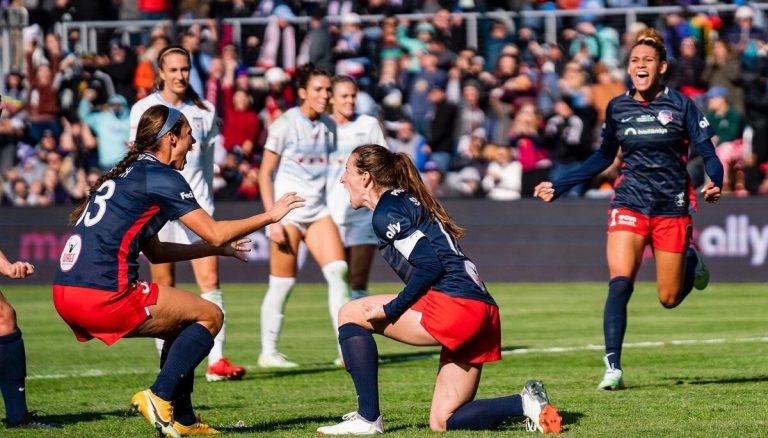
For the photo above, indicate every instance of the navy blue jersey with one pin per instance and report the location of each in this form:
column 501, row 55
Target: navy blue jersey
column 121, row 217
column 401, row 225
column 654, row 137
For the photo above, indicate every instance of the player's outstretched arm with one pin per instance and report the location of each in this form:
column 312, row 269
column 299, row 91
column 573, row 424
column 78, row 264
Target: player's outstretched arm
column 15, row 270
column 169, row 252
column 544, row 190
column 219, row 233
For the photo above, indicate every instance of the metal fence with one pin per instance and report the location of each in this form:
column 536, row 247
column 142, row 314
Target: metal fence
column 550, row 23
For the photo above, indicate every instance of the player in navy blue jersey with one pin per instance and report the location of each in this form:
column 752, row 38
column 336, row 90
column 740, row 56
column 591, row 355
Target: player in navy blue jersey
column 97, row 289
column 444, row 302
column 654, row 126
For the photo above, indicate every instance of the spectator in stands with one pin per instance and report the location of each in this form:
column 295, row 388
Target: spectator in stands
column 606, row 87
column 242, row 125
column 746, row 37
column 317, row 45
column 471, row 113
column 418, row 85
column 425, row 31
column 724, row 70
column 504, row 175
column 526, row 140
column 567, row 138
column 200, row 61
column 442, row 132
column 42, row 103
column 499, row 35
column 122, row 68
column 279, row 34
column 685, row 74
column 12, row 117
column 411, row 143
column 450, row 29
column 348, row 50
column 111, row 125
column 728, row 126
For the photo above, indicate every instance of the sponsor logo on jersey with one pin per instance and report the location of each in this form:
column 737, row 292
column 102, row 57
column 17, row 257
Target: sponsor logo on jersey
column 703, row 123
column 70, row 253
column 392, row 230
column 187, row 195
column 646, row 131
column 626, row 119
column 680, row 199
column 630, row 131
column 625, row 219
column 646, row 118
column 665, row 116
column 397, row 192
column 415, row 201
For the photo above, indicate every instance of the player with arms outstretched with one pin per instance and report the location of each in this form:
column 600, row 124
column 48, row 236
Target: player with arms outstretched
column 654, row 126
column 444, row 303
column 97, row 289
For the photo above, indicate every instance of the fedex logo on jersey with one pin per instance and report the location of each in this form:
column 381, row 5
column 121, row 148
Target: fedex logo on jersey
column 392, row 230
column 187, row 195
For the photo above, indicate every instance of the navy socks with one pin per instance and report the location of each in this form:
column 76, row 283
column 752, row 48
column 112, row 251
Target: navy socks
column 191, row 346
column 361, row 359
column 615, row 318
column 486, row 414
column 13, row 371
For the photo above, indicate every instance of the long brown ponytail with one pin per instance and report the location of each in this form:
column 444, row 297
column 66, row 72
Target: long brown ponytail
column 150, row 124
column 190, row 93
column 396, row 170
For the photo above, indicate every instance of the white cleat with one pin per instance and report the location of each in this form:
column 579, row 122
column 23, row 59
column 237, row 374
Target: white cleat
column 613, row 379
column 541, row 415
column 354, row 424
column 275, row 360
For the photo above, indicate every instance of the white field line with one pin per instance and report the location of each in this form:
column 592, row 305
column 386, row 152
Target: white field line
column 589, row 347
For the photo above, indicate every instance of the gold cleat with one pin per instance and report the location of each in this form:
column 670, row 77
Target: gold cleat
column 157, row 411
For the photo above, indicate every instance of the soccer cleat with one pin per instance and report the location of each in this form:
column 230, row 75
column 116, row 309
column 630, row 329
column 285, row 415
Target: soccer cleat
column 354, row 424
column 541, row 415
column 275, row 360
column 224, row 370
column 701, row 273
column 613, row 379
column 157, row 411
column 198, row 428
column 32, row 420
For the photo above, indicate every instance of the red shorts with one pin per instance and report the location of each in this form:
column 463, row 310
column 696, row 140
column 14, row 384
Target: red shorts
column 105, row 315
column 671, row 234
column 468, row 330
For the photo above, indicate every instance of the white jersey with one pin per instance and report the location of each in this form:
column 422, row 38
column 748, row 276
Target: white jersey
column 304, row 147
column 362, row 130
column 205, row 129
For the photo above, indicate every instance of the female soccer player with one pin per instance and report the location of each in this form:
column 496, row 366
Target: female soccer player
column 354, row 226
column 296, row 153
column 654, row 197
column 174, row 90
column 97, row 290
column 444, row 302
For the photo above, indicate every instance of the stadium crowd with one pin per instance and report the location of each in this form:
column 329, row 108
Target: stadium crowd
column 487, row 121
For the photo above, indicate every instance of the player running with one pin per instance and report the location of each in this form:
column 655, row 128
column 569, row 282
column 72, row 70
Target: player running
column 444, row 303
column 173, row 90
column 354, row 226
column 654, row 198
column 97, row 289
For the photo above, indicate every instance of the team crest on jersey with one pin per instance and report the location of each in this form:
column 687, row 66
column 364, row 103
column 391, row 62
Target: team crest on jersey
column 680, row 199
column 665, row 116
column 70, row 253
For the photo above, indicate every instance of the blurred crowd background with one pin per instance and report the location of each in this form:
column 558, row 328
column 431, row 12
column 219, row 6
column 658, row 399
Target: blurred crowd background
column 488, row 97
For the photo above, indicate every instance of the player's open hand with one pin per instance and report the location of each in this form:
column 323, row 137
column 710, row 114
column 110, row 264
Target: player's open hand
column 711, row 192
column 17, row 270
column 286, row 203
column 373, row 311
column 237, row 249
column 544, row 190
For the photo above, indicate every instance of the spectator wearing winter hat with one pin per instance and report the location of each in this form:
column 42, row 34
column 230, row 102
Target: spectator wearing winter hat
column 746, row 37
column 111, row 125
column 728, row 126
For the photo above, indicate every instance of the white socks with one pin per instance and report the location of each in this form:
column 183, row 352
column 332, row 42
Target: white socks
column 335, row 274
column 217, row 352
column 272, row 311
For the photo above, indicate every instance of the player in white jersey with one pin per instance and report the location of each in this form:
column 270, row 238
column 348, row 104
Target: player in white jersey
column 173, row 90
column 297, row 151
column 352, row 130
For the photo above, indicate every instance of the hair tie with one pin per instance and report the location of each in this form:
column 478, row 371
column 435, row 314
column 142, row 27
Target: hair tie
column 173, row 117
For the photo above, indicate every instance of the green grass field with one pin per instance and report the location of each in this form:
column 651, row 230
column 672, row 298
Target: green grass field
column 715, row 385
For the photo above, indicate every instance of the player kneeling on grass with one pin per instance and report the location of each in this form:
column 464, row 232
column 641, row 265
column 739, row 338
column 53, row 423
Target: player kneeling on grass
column 97, row 289
column 444, row 302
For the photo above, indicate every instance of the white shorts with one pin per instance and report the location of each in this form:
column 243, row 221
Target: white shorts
column 176, row 232
column 357, row 234
column 299, row 225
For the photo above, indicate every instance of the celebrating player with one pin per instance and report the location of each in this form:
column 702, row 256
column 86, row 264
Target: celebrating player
column 173, row 90
column 97, row 290
column 296, row 152
column 444, row 302
column 654, row 199
column 354, row 226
